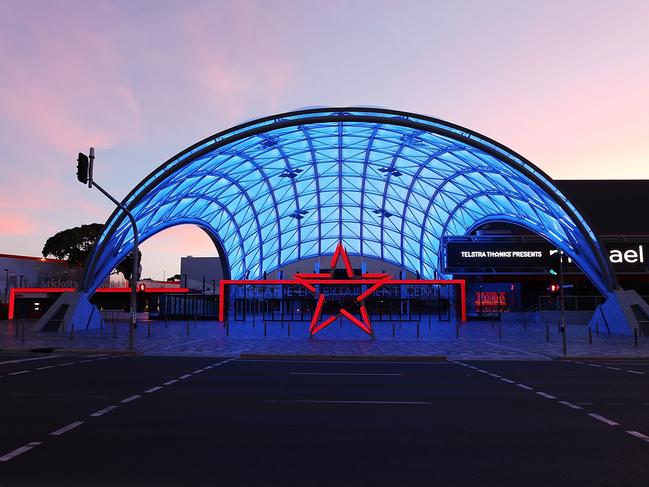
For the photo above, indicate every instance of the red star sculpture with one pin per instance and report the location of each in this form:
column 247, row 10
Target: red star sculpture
column 374, row 281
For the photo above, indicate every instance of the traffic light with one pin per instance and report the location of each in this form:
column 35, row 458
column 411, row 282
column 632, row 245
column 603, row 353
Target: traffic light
column 82, row 168
column 554, row 288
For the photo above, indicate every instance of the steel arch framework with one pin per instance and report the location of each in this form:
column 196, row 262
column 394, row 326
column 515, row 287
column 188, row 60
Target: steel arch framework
column 389, row 184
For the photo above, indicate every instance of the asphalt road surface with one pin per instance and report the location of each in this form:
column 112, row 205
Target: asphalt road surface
column 102, row 420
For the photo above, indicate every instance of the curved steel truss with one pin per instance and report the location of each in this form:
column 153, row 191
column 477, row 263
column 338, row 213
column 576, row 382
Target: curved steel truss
column 388, row 184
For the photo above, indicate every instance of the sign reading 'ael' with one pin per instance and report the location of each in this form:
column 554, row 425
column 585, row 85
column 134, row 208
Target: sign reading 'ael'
column 627, row 256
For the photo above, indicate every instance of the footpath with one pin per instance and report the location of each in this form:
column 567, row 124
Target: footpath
column 472, row 340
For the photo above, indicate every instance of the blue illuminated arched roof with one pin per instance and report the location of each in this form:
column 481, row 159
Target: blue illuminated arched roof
column 388, row 184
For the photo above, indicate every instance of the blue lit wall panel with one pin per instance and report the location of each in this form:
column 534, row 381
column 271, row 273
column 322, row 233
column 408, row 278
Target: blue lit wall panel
column 390, row 185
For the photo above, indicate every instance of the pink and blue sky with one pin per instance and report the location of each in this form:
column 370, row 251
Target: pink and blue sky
column 565, row 83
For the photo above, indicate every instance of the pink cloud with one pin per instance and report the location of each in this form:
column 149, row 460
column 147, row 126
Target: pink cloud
column 15, row 225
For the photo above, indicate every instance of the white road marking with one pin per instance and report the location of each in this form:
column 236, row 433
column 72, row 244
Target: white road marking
column 603, row 419
column 317, row 401
column 46, row 367
column 637, row 434
column 169, row 382
column 131, row 398
column 67, row 428
column 635, row 372
column 67, row 363
column 570, row 405
column 17, row 361
column 595, row 365
column 186, row 376
column 496, row 376
column 103, row 411
column 18, row 451
column 19, row 372
column 547, row 396
column 614, row 368
column 342, row 374
column 198, row 371
column 507, row 380
column 523, row 386
column 84, row 361
column 153, row 389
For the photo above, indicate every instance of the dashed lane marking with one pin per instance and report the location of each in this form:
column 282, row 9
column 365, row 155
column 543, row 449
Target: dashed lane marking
column 130, row 398
column 507, row 380
column 635, row 372
column 609, row 422
column 67, row 428
column 17, row 361
column 637, row 434
column 169, row 382
column 570, row 405
column 198, row 371
column 153, row 389
column 186, row 376
column 18, row 451
column 19, row 372
column 318, row 401
column 546, row 395
column 101, row 412
column 523, row 386
column 614, row 368
column 84, row 361
column 67, row 363
column 46, row 367
column 343, row 374
column 595, row 365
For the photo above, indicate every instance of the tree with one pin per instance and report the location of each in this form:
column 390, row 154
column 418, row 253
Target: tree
column 75, row 244
column 174, row 278
column 126, row 266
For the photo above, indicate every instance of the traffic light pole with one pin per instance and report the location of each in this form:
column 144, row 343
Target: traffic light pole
column 85, row 175
column 562, row 301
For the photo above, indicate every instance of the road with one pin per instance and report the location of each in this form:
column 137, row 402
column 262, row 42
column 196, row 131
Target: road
column 145, row 420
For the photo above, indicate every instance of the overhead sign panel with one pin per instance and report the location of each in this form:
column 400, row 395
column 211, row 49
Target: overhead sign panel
column 500, row 255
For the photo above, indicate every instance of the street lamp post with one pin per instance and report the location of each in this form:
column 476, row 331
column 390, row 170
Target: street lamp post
column 85, row 175
column 6, row 284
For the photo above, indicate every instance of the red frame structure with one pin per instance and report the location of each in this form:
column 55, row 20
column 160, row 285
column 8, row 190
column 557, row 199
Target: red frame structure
column 44, row 290
column 309, row 281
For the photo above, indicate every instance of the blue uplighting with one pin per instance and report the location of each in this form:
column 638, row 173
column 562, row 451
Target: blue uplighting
column 389, row 185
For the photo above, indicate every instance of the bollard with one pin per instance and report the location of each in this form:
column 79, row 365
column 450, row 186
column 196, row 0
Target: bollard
column 457, row 329
column 417, row 330
column 547, row 332
column 635, row 336
column 393, row 330
column 148, row 329
column 563, row 339
column 265, row 328
column 590, row 335
column 227, row 328
column 187, row 327
column 71, row 332
column 114, row 330
column 500, row 331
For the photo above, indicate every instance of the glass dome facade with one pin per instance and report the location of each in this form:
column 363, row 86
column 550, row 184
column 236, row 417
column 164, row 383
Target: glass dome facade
column 389, row 185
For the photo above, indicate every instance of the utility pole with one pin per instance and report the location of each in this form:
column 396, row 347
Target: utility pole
column 85, row 175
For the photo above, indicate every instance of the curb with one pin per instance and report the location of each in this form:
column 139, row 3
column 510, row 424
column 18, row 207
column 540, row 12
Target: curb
column 367, row 358
column 612, row 358
column 69, row 350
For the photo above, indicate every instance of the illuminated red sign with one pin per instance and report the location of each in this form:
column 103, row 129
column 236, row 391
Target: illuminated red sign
column 367, row 284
